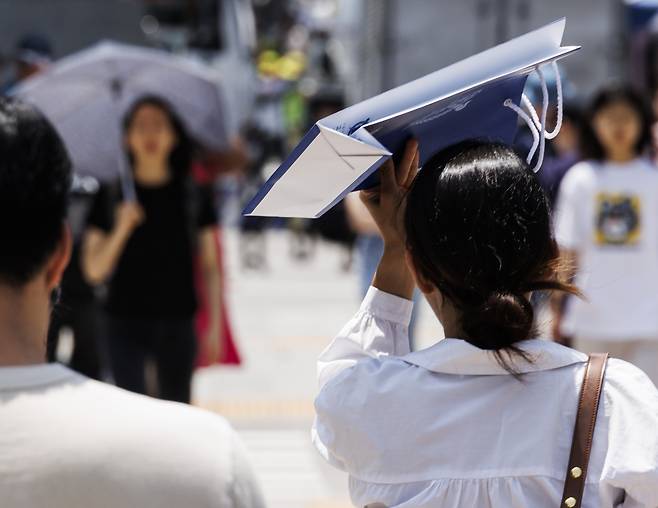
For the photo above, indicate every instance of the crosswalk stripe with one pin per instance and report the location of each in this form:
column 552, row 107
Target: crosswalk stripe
column 261, row 408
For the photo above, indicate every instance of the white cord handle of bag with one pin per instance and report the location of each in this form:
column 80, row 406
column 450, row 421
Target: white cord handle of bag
column 537, row 124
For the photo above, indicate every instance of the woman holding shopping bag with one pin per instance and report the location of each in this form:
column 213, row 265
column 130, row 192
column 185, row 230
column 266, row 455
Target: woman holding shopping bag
column 484, row 417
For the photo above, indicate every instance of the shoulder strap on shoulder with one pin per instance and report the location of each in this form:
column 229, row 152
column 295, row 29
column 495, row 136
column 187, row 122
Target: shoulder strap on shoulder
column 583, row 433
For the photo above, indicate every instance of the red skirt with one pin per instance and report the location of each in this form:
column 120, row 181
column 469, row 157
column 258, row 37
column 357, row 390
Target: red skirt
column 230, row 354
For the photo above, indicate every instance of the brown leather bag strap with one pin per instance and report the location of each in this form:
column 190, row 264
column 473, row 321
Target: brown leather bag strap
column 583, row 432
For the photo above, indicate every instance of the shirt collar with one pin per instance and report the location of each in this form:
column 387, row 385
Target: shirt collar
column 455, row 356
column 30, row 376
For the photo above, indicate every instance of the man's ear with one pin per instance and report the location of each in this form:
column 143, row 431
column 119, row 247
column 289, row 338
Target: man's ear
column 422, row 282
column 59, row 259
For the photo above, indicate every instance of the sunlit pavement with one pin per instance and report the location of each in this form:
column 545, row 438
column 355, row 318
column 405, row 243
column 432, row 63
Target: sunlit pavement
column 283, row 317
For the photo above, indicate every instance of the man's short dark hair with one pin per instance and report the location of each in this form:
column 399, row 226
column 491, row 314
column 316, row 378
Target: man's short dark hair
column 35, row 178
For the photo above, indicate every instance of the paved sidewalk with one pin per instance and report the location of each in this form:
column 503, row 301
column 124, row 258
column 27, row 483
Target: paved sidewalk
column 283, row 318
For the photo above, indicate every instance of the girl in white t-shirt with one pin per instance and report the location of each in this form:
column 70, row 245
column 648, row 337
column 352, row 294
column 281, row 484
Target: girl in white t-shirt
column 607, row 225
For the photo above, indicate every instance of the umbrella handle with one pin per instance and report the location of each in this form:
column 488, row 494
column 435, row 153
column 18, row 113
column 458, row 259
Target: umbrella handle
column 125, row 172
column 126, row 177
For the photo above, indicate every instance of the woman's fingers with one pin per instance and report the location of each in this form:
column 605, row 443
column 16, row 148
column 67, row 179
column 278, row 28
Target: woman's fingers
column 388, row 180
column 407, row 161
column 392, row 178
column 369, row 196
column 413, row 171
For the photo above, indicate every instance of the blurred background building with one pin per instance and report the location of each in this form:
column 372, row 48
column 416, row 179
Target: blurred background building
column 342, row 39
column 405, row 33
column 414, row 37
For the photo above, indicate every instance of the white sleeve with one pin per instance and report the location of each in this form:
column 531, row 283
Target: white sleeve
column 632, row 456
column 380, row 328
column 568, row 211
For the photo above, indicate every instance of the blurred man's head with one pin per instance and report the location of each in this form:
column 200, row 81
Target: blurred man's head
column 33, row 53
column 35, row 175
column 568, row 140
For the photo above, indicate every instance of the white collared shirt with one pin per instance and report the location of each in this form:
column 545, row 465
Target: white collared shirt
column 448, row 426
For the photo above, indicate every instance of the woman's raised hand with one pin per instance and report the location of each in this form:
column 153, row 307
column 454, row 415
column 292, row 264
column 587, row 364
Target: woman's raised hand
column 386, row 202
column 128, row 216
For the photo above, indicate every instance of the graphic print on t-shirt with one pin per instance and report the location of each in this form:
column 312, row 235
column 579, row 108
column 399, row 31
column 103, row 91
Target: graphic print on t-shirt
column 617, row 219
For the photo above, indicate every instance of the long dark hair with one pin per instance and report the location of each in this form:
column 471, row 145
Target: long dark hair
column 186, row 149
column 478, row 227
column 591, row 147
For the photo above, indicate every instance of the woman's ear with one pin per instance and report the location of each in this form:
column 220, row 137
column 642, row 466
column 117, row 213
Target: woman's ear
column 59, row 259
column 422, row 282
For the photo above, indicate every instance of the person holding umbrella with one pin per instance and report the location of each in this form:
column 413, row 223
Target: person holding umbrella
column 147, row 256
column 104, row 100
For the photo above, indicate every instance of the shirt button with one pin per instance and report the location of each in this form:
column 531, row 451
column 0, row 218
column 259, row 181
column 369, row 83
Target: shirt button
column 570, row 502
column 576, row 472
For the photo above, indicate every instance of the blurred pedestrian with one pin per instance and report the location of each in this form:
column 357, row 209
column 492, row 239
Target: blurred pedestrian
column 607, row 225
column 561, row 152
column 147, row 256
column 205, row 173
column 32, row 55
column 266, row 135
column 369, row 244
column 484, row 417
column 334, row 225
column 67, row 441
column 564, row 152
column 79, row 306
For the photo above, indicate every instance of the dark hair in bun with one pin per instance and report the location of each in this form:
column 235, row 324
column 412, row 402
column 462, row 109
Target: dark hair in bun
column 478, row 226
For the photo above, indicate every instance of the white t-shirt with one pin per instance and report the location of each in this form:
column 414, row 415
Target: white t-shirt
column 70, row 442
column 608, row 214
